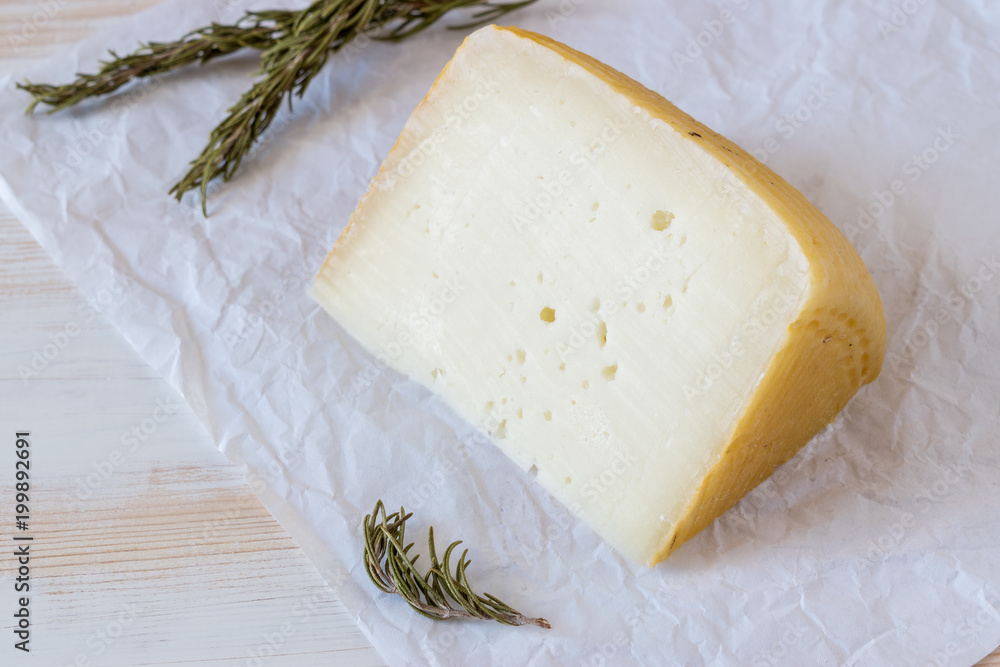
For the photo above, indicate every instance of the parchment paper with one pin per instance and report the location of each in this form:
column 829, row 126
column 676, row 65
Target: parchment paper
column 878, row 544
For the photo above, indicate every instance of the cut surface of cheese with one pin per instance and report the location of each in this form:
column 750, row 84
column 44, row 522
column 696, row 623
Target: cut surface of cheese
column 624, row 300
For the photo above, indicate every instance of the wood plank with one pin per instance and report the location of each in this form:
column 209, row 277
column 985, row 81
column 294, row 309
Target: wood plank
column 164, row 556
column 33, row 29
column 162, row 545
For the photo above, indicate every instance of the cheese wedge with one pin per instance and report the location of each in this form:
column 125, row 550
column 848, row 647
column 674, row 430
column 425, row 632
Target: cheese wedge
column 625, row 301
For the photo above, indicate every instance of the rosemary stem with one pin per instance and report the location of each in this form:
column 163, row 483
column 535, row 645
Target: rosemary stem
column 294, row 47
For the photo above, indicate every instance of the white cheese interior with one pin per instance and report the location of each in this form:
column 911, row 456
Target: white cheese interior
column 524, row 190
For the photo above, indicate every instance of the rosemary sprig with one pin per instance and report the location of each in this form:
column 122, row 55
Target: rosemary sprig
column 390, row 567
column 255, row 31
column 295, row 46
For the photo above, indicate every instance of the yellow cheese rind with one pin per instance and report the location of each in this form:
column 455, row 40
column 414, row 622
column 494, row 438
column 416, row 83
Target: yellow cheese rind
column 834, row 344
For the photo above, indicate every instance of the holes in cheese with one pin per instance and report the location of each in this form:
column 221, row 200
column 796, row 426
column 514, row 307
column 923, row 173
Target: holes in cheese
column 661, row 220
column 536, row 205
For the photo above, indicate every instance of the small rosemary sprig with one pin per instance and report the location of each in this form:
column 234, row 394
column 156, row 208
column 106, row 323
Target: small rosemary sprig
column 294, row 47
column 390, row 567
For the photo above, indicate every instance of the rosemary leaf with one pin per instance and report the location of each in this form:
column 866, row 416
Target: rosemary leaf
column 294, row 46
column 389, row 567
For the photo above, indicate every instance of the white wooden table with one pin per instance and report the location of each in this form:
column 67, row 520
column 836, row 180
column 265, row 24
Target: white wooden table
column 152, row 552
column 146, row 551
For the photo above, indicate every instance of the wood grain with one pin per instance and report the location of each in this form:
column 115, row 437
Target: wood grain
column 163, row 556
column 163, row 546
column 168, row 558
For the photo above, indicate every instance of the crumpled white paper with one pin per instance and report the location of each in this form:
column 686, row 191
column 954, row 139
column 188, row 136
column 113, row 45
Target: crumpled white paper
column 879, row 544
